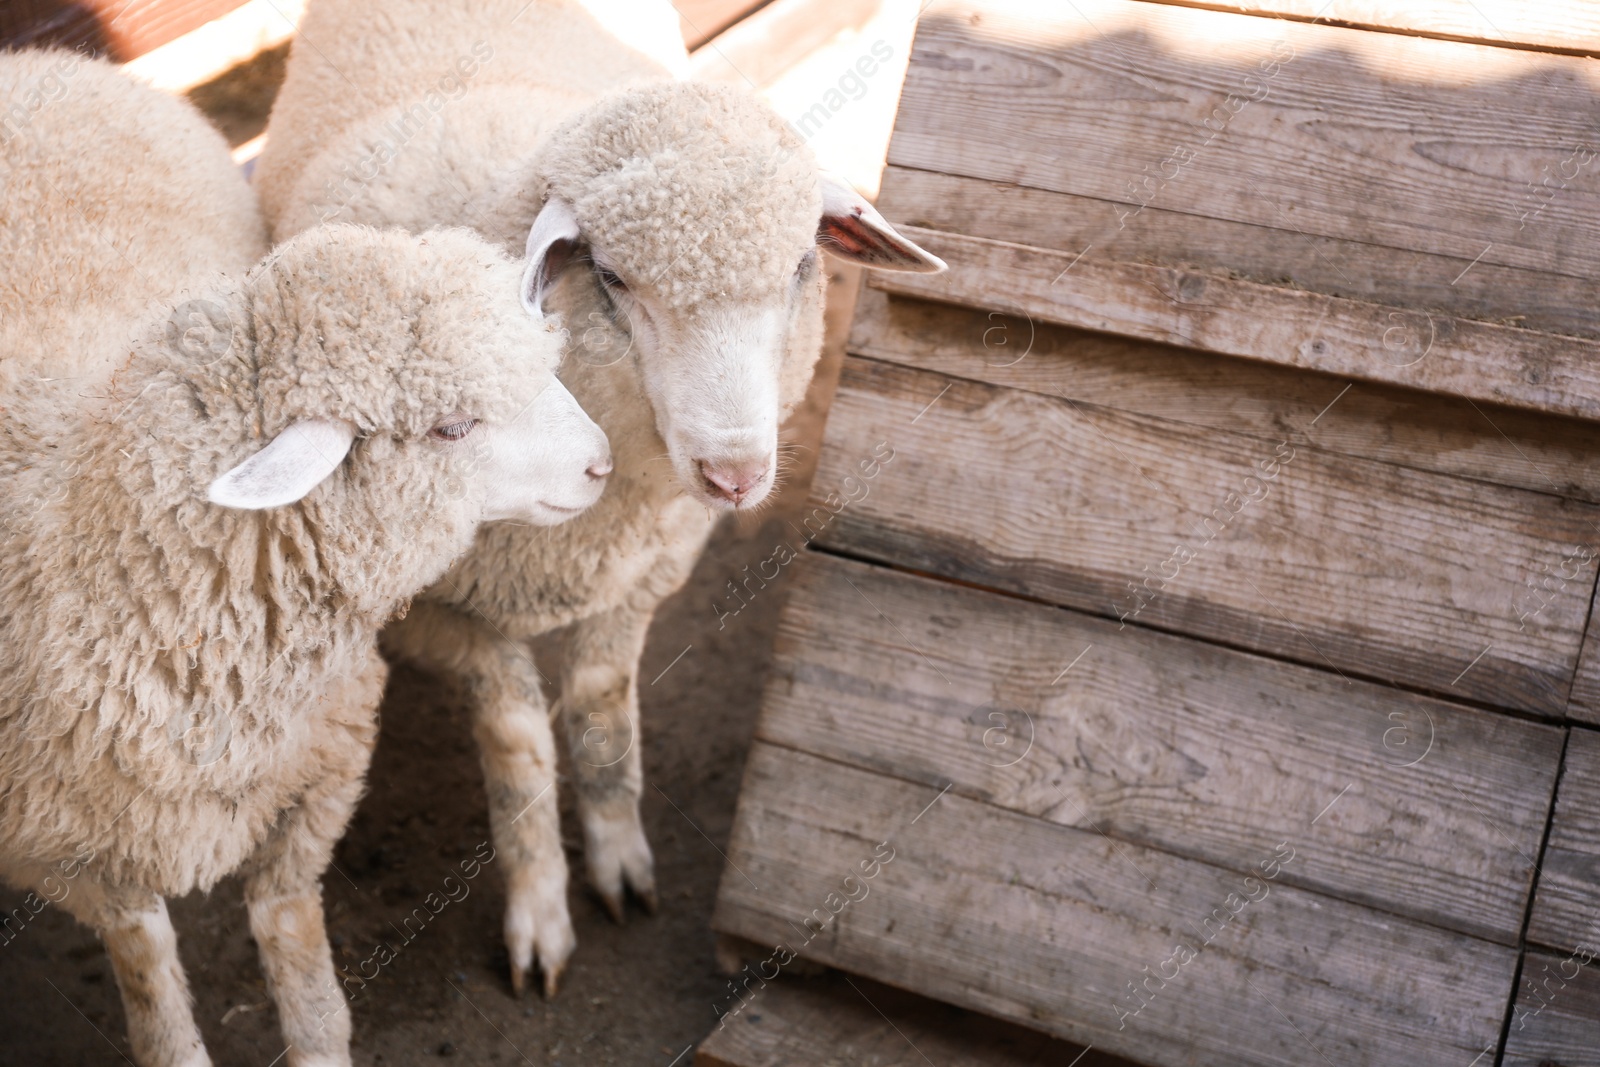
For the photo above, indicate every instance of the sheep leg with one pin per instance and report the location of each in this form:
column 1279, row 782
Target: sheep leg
column 600, row 715
column 512, row 726
column 283, row 879
column 138, row 935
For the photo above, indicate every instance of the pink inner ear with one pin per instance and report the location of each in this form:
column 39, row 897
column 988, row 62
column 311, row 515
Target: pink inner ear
column 851, row 236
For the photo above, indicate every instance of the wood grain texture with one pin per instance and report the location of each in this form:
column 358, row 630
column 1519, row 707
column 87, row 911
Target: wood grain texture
column 1268, row 255
column 1047, row 926
column 1584, row 704
column 760, row 47
column 704, row 19
column 1556, row 1021
column 1566, row 905
column 119, row 29
column 833, row 1021
column 1432, row 146
column 1568, row 25
column 1409, row 428
column 1422, row 808
column 1481, row 361
column 1345, row 564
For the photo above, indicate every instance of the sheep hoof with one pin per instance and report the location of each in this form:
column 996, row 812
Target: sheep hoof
column 648, row 899
column 614, row 905
column 552, row 978
column 619, row 860
column 538, row 933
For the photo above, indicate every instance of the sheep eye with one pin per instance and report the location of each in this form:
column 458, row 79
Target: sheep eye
column 807, row 261
column 609, row 279
column 454, row 430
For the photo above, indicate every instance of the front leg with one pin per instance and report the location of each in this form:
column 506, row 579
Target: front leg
column 283, row 879
column 143, row 948
column 599, row 709
column 512, row 726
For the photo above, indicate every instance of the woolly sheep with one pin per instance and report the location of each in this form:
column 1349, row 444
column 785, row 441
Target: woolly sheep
column 693, row 215
column 207, row 525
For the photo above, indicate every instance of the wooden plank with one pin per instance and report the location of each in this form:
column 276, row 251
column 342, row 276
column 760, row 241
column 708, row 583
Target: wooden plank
column 1346, row 564
column 1483, row 362
column 1432, row 146
column 1556, row 1021
column 759, row 48
column 1563, row 25
column 833, row 1020
column 118, row 29
column 1279, row 257
column 1413, row 429
column 1199, row 751
column 1584, row 704
column 704, row 19
column 1049, row 926
column 1565, row 913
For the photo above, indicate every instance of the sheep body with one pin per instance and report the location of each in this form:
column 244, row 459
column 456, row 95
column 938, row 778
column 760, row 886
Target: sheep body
column 192, row 689
column 710, row 207
column 72, row 270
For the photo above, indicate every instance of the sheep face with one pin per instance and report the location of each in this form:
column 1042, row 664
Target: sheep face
column 407, row 395
column 699, row 212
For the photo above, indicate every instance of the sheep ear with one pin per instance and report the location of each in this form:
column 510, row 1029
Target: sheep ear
column 852, row 229
column 550, row 244
column 293, row 464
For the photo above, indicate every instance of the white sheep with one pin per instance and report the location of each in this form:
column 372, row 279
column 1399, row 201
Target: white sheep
column 205, row 527
column 694, row 214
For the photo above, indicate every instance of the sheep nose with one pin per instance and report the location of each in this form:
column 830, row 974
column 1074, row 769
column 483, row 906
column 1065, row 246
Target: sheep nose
column 735, row 481
column 600, row 469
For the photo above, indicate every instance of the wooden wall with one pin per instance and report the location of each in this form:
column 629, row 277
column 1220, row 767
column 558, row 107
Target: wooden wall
column 1201, row 571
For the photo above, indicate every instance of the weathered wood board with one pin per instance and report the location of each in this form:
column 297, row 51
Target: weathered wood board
column 1556, row 1021
column 704, row 19
column 1221, row 251
column 1571, row 25
column 1302, row 589
column 1422, row 808
column 1349, row 565
column 1585, row 700
column 770, row 40
column 1394, row 148
column 1400, row 426
column 119, row 29
column 1481, row 361
column 1566, row 907
column 836, row 1021
column 1050, row 926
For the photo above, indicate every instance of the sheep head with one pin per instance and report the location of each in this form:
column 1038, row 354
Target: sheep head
column 700, row 212
column 389, row 391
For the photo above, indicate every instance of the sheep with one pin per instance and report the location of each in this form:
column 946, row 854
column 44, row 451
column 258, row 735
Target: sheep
column 691, row 216
column 207, row 525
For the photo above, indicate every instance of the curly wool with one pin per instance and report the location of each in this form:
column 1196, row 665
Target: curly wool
column 131, row 608
column 663, row 178
column 75, row 274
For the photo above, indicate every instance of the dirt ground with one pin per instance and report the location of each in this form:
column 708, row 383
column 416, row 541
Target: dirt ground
column 635, row 994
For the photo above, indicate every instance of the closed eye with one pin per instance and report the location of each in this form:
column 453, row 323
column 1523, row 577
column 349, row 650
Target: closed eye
column 808, row 261
column 452, row 430
column 610, row 280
